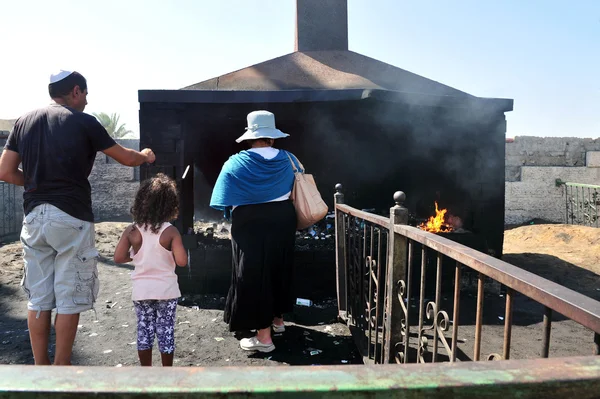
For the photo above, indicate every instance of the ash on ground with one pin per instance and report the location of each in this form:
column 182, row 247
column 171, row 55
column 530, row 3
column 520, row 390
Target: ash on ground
column 216, row 234
column 320, row 236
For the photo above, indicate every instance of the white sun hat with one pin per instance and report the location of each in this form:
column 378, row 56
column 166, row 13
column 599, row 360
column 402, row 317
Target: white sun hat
column 261, row 125
column 60, row 75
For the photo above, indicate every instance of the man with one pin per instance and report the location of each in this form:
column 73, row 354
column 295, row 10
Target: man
column 57, row 146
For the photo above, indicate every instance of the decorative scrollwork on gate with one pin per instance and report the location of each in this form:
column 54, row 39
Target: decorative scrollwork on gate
column 440, row 323
column 370, row 273
column 399, row 346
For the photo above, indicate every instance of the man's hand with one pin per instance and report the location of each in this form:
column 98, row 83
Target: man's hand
column 129, row 157
column 150, row 157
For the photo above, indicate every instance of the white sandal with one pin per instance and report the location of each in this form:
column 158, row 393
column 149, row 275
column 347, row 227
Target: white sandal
column 253, row 344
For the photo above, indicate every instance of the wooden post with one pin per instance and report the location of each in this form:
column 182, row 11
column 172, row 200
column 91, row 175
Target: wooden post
column 396, row 271
column 340, row 254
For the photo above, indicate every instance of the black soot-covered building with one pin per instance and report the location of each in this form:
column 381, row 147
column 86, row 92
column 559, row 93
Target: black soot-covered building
column 352, row 119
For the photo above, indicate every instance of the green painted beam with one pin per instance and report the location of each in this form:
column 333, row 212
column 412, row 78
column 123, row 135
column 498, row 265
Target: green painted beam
column 581, row 185
column 540, row 378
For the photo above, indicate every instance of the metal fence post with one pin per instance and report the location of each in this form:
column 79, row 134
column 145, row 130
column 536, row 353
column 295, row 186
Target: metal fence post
column 340, row 254
column 396, row 271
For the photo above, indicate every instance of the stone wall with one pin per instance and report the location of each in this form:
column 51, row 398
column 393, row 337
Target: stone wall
column 533, row 164
column 113, row 185
column 11, row 204
column 11, row 211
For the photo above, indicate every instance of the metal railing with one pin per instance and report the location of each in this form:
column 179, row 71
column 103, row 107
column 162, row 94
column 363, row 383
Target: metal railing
column 10, row 211
column 385, row 267
column 581, row 203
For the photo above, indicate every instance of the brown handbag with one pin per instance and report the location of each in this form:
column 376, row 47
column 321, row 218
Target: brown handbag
column 310, row 207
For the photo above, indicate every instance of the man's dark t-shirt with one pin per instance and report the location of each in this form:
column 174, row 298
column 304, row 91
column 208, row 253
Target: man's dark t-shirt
column 58, row 146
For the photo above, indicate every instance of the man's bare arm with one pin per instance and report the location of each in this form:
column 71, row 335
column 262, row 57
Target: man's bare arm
column 129, row 157
column 9, row 168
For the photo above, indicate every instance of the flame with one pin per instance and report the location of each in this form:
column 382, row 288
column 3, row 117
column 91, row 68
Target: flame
column 437, row 224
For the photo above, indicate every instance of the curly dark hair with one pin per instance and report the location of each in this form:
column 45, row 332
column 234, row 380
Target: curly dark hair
column 156, row 202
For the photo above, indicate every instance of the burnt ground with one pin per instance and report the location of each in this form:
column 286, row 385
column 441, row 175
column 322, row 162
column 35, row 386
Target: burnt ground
column 569, row 255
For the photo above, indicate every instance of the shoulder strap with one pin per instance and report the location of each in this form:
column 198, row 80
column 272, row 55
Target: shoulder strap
column 292, row 162
column 146, row 232
column 164, row 226
column 295, row 165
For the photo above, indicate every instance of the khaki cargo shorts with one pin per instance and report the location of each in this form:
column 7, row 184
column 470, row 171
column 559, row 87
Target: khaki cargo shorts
column 60, row 261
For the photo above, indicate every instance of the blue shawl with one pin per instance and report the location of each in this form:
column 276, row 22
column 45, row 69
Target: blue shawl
column 248, row 178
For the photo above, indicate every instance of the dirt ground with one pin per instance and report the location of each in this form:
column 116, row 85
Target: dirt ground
column 201, row 336
column 565, row 254
column 569, row 255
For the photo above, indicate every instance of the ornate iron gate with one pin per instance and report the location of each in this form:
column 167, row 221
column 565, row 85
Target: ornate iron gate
column 383, row 290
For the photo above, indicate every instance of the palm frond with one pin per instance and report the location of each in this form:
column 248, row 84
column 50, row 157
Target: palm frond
column 111, row 124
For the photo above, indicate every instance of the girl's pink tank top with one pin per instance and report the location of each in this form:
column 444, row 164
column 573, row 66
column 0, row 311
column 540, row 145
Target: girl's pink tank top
column 154, row 275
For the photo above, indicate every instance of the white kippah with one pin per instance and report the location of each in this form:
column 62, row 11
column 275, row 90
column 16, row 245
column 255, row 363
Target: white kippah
column 57, row 77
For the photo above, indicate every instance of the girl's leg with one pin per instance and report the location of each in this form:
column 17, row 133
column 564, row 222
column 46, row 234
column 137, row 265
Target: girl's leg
column 167, row 359
column 145, row 357
column 146, row 316
column 165, row 329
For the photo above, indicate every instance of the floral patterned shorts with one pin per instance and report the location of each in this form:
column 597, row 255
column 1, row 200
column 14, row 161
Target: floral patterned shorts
column 156, row 317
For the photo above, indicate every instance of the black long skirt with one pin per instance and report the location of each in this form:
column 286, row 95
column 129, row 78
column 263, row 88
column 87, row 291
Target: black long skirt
column 263, row 238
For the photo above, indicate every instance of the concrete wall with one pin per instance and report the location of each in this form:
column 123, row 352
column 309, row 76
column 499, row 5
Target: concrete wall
column 532, row 166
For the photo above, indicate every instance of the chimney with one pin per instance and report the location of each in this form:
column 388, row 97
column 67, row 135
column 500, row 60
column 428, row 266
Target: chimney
column 321, row 25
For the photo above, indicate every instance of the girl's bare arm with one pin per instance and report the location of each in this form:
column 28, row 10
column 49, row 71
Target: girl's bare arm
column 123, row 246
column 179, row 252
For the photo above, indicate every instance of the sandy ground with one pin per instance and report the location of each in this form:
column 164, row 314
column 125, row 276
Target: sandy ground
column 569, row 255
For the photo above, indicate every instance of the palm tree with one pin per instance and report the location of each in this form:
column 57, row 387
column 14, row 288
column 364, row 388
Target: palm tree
column 111, row 124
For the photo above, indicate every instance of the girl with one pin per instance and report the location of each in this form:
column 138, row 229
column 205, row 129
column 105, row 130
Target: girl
column 154, row 247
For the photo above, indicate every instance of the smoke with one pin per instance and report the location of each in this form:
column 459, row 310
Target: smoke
column 374, row 148
column 430, row 153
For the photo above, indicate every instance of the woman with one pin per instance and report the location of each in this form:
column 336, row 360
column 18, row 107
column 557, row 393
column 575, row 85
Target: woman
column 256, row 185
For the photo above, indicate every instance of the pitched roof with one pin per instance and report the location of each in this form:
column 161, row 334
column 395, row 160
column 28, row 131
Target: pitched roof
column 325, row 70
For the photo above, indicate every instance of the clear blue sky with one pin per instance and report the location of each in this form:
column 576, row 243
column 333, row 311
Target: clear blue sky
column 545, row 54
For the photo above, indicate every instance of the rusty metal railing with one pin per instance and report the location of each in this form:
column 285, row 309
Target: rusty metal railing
column 366, row 246
column 526, row 379
column 407, row 327
column 581, row 203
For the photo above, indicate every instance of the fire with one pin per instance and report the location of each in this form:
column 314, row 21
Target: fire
column 437, row 224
